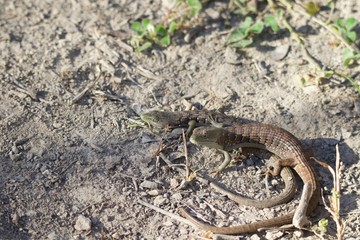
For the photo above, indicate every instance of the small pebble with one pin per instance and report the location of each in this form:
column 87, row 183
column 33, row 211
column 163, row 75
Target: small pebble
column 177, row 197
column 298, row 233
column 154, row 192
column 82, row 223
column 280, row 52
column 57, row 125
column 14, row 149
column 149, row 184
column 255, row 237
column 174, row 183
column 160, row 200
column 212, row 13
column 274, row 235
column 15, row 157
column 357, row 107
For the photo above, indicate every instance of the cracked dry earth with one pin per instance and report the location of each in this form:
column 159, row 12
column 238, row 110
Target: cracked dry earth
column 71, row 168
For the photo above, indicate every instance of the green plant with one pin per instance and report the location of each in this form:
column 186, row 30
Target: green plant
column 243, row 7
column 350, row 56
column 345, row 28
column 147, row 33
column 243, row 36
column 334, row 200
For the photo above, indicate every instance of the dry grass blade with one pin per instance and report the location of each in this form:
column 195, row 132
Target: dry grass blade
column 334, row 208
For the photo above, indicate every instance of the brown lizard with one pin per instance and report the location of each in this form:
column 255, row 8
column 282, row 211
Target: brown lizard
column 164, row 119
column 276, row 140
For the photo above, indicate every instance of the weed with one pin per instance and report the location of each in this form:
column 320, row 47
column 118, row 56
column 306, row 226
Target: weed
column 345, row 28
column 148, row 33
column 334, row 200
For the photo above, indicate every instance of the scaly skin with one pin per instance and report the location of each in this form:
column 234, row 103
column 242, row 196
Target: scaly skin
column 279, row 142
column 164, row 119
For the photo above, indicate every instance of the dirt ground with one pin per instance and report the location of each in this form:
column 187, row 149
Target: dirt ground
column 70, row 166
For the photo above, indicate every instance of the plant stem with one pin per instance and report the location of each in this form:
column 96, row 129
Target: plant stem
column 321, row 23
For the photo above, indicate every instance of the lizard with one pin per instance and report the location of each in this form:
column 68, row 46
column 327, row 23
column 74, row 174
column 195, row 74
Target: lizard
column 276, row 140
column 194, row 118
column 190, row 118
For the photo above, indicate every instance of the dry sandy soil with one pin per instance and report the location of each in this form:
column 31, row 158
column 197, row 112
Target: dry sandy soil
column 71, row 168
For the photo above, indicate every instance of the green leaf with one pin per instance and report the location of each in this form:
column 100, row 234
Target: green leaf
column 323, row 222
column 143, row 47
column 165, row 41
column 312, row 8
column 351, row 36
column 257, row 27
column 347, row 61
column 350, row 23
column 137, row 27
column 246, row 23
column 243, row 43
column 135, row 41
column 270, row 21
column 346, row 53
column 236, row 35
column 328, row 74
column 279, row 13
column 172, row 27
column 195, row 5
column 146, row 22
column 160, row 31
column 340, row 23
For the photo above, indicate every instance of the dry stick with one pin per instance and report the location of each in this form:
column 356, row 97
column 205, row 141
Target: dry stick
column 187, row 174
column 86, row 89
column 169, row 214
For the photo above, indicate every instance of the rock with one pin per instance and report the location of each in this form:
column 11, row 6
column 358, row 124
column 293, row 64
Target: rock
column 357, row 107
column 159, row 200
column 174, row 183
column 53, row 236
column 177, row 197
column 255, row 237
column 212, row 13
column 83, row 223
column 298, row 233
column 154, row 192
column 149, row 184
column 280, row 52
column 274, row 235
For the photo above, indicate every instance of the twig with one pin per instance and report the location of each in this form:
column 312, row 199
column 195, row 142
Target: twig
column 290, row 8
column 166, row 213
column 187, row 163
column 146, row 73
column 86, row 89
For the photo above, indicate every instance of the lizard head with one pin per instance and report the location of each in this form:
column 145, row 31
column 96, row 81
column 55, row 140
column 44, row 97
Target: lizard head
column 208, row 136
column 157, row 119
